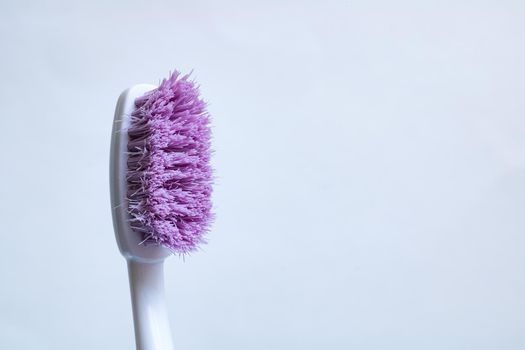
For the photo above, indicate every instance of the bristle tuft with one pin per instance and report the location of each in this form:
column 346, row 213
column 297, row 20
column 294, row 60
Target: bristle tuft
column 169, row 176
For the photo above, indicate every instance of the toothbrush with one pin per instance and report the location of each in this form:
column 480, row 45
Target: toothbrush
column 160, row 184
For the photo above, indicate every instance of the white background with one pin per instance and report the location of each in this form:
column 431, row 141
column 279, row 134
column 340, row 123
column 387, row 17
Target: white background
column 370, row 163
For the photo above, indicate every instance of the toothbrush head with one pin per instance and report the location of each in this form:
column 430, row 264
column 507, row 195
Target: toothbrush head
column 161, row 174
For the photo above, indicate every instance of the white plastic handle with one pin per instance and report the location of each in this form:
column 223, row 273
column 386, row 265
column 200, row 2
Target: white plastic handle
column 152, row 328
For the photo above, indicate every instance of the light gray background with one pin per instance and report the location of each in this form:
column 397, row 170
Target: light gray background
column 370, row 162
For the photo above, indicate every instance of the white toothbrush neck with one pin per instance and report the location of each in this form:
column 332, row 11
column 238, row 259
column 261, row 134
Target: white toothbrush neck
column 152, row 329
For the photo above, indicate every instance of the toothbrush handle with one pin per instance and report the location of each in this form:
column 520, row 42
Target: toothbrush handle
column 152, row 329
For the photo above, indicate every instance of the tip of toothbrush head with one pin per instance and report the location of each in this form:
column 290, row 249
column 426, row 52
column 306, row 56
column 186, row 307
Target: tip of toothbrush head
column 160, row 173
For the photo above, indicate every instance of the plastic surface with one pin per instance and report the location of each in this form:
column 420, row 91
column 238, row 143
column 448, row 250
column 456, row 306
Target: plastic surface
column 150, row 317
column 145, row 263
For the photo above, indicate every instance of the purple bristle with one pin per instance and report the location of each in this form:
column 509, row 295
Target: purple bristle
column 169, row 176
